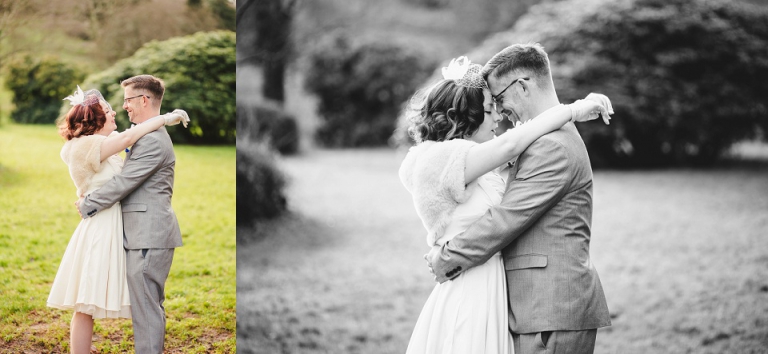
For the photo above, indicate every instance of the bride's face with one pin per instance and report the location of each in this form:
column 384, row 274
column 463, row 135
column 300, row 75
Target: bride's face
column 110, row 125
column 487, row 130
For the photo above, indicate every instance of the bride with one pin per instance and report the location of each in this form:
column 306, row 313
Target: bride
column 454, row 177
column 91, row 279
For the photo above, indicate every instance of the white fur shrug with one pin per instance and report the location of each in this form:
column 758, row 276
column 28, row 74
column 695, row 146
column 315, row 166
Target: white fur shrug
column 83, row 157
column 433, row 172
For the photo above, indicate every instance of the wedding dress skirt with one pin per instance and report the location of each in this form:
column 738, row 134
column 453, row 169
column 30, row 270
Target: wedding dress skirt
column 469, row 313
column 92, row 277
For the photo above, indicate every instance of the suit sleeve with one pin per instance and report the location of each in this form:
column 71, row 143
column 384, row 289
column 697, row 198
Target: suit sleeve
column 147, row 157
column 539, row 184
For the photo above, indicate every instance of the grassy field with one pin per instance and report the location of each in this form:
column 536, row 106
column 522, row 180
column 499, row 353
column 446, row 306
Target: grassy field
column 682, row 254
column 38, row 218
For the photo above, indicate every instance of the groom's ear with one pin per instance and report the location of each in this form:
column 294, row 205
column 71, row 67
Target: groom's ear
column 526, row 84
column 524, row 87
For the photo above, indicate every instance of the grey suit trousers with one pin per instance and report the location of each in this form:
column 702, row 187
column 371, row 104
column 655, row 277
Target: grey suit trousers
column 147, row 270
column 556, row 342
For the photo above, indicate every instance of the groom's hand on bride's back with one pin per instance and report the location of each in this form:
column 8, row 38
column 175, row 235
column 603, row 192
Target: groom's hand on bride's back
column 77, row 207
column 430, row 257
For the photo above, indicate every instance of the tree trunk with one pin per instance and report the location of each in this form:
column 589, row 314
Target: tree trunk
column 271, row 21
column 274, row 79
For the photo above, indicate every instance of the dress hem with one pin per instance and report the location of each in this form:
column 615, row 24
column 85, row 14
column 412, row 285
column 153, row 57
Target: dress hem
column 95, row 311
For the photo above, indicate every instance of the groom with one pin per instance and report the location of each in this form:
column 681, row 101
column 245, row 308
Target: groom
column 151, row 231
column 542, row 225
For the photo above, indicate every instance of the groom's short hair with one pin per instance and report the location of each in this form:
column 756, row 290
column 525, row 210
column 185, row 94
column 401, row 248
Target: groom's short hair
column 149, row 83
column 530, row 58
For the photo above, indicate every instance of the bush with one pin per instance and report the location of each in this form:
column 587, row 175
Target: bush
column 259, row 184
column 686, row 77
column 360, row 88
column 199, row 75
column 38, row 86
column 269, row 123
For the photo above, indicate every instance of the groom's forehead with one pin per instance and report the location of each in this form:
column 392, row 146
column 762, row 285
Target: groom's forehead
column 494, row 82
column 132, row 89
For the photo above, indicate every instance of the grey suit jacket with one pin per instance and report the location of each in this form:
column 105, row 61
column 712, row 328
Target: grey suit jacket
column 144, row 188
column 542, row 226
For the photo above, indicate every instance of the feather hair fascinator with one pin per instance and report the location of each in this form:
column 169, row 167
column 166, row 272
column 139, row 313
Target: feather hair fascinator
column 77, row 98
column 464, row 73
column 86, row 98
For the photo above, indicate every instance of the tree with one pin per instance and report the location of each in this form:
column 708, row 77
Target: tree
column 270, row 21
column 13, row 14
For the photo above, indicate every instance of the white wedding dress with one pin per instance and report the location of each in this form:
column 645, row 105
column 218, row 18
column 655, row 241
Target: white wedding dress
column 92, row 276
column 469, row 313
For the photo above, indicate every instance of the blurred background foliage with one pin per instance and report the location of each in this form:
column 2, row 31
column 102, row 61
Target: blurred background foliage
column 689, row 77
column 38, row 84
column 46, row 48
column 360, row 88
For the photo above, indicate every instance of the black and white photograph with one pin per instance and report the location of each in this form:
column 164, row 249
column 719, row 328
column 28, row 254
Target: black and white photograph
column 444, row 176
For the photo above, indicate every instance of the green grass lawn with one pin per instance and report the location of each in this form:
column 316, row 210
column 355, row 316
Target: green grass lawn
column 38, row 217
column 682, row 255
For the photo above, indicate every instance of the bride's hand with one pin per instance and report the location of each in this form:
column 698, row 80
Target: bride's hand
column 589, row 109
column 176, row 117
column 601, row 99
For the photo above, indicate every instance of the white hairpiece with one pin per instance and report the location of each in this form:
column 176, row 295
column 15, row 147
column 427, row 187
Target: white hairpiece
column 464, row 73
column 86, row 98
column 77, row 98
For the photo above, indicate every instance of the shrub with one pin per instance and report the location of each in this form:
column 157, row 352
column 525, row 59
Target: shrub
column 259, row 184
column 360, row 88
column 686, row 77
column 269, row 123
column 199, row 75
column 38, row 86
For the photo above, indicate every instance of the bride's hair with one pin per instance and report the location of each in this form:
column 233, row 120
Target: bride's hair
column 445, row 111
column 82, row 120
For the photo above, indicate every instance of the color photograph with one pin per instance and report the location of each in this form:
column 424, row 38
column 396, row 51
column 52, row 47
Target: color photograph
column 117, row 176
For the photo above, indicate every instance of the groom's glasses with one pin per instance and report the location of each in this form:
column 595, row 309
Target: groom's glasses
column 498, row 100
column 125, row 101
